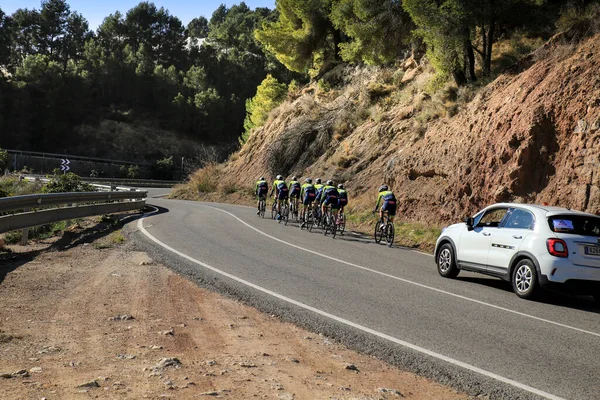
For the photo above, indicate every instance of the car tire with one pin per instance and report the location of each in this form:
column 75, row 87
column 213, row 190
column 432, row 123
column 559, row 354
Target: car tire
column 597, row 297
column 446, row 262
column 524, row 279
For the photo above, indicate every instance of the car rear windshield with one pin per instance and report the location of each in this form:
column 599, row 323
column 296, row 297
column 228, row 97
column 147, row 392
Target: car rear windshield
column 575, row 224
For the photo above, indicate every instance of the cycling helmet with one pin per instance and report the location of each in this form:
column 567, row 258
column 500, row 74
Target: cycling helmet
column 262, row 178
column 340, row 186
column 383, row 188
column 329, row 182
column 308, row 180
column 294, row 178
column 279, row 177
column 318, row 180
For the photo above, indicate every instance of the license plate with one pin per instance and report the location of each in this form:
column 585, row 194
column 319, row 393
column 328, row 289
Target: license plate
column 592, row 250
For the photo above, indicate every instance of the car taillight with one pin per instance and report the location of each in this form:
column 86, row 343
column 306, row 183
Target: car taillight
column 557, row 248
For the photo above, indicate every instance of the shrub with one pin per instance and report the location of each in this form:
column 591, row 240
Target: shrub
column 163, row 169
column 69, row 182
column 269, row 94
column 3, row 161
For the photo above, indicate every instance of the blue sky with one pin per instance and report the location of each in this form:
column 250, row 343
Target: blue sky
column 96, row 10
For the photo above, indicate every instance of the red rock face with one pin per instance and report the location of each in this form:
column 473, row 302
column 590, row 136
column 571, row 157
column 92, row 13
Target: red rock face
column 533, row 137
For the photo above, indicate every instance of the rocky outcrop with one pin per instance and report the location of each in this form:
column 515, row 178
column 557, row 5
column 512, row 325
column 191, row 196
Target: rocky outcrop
column 532, row 135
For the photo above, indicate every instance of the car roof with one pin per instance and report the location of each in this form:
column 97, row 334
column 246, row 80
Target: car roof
column 549, row 211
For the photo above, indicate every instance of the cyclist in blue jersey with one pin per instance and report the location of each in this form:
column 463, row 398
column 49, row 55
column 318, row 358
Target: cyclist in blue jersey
column 261, row 189
column 388, row 200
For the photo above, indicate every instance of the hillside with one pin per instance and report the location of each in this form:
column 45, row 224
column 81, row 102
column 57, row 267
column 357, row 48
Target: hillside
column 531, row 135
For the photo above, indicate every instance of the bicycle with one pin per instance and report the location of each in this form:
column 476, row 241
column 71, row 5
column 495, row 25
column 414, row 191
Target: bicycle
column 307, row 218
column 262, row 206
column 274, row 210
column 329, row 222
column 316, row 218
column 293, row 210
column 285, row 213
column 384, row 228
column 341, row 222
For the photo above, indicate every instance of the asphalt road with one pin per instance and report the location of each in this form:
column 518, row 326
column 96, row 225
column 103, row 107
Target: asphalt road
column 472, row 333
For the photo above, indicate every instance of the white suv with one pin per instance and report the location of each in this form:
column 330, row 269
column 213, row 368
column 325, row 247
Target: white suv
column 527, row 245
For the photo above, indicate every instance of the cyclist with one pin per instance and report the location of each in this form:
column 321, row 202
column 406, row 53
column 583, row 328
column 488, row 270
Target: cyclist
column 389, row 202
column 281, row 193
column 261, row 189
column 308, row 194
column 294, row 190
column 318, row 190
column 329, row 197
column 343, row 199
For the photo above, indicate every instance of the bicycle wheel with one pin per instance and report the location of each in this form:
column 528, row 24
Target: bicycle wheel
column 378, row 234
column 286, row 214
column 333, row 225
column 389, row 234
column 274, row 210
column 342, row 224
column 326, row 223
column 262, row 208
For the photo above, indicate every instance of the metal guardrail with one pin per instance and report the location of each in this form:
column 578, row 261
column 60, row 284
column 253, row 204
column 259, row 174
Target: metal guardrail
column 112, row 182
column 73, row 157
column 75, row 206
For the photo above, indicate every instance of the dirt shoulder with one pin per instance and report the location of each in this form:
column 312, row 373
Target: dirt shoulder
column 88, row 316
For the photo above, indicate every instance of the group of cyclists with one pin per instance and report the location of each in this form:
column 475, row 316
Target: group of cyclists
column 316, row 198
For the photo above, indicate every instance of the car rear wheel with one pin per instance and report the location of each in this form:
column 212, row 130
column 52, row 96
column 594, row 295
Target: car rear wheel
column 446, row 262
column 524, row 279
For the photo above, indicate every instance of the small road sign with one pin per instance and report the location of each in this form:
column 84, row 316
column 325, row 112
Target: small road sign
column 64, row 164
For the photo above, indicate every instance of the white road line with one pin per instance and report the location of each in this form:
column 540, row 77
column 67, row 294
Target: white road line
column 347, row 322
column 408, row 281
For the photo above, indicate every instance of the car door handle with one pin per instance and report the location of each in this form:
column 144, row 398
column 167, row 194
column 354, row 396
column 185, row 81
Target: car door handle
column 518, row 236
column 486, row 234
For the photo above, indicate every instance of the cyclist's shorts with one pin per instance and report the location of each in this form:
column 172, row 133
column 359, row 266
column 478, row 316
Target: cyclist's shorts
column 390, row 207
column 309, row 198
column 342, row 203
column 295, row 193
column 261, row 192
column 333, row 202
column 282, row 195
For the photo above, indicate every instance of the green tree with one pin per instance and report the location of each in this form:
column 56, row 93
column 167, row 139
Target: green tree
column 53, row 25
column 26, row 32
column 197, row 28
column 303, row 38
column 269, row 95
column 380, row 30
column 5, row 38
column 444, row 26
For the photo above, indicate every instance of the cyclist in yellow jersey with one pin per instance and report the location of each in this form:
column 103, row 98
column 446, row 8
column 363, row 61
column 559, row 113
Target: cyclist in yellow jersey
column 281, row 193
column 294, row 190
column 261, row 189
column 388, row 200
column 308, row 195
column 329, row 197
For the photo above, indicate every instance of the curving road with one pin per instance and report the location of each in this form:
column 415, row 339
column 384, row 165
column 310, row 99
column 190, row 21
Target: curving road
column 472, row 333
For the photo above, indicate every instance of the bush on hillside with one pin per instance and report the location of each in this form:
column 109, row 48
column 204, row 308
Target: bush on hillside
column 269, row 94
column 69, row 182
column 3, row 161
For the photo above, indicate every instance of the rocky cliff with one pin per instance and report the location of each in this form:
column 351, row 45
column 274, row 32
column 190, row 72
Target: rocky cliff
column 531, row 135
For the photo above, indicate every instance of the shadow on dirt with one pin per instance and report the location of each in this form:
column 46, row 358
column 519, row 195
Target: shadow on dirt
column 10, row 261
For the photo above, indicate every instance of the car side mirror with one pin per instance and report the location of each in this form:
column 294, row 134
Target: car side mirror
column 469, row 221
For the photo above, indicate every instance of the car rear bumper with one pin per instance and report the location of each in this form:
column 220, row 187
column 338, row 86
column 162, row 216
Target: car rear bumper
column 562, row 272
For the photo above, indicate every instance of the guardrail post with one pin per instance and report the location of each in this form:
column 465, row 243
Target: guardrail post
column 25, row 234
